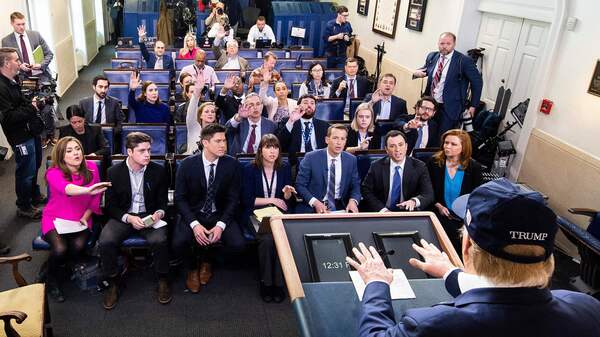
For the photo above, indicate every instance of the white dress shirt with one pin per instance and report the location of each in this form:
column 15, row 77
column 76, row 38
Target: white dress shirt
column 103, row 111
column 206, row 165
column 158, row 65
column 439, row 89
column 254, row 34
column 338, row 178
column 393, row 165
column 27, row 46
column 258, row 133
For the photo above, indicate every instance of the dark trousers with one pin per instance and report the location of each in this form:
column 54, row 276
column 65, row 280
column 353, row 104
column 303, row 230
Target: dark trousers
column 26, row 185
column 115, row 232
column 444, row 121
column 268, row 261
column 336, row 62
column 186, row 246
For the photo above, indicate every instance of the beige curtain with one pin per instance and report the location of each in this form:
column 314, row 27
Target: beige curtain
column 164, row 26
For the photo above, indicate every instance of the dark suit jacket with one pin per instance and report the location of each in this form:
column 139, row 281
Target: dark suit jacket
column 374, row 144
column 312, row 178
column 291, row 142
column 92, row 139
column 191, row 188
column 472, row 179
column 397, row 109
column 252, row 186
column 113, row 110
column 362, row 87
column 433, row 137
column 415, row 184
column 228, row 106
column 461, row 73
column 118, row 196
column 236, row 136
column 168, row 63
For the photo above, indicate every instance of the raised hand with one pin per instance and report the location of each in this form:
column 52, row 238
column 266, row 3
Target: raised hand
column 287, row 191
column 296, row 114
column 342, row 85
column 134, row 81
column 377, row 96
column 243, row 111
column 221, row 33
column 199, row 84
column 141, row 31
column 266, row 75
column 229, row 82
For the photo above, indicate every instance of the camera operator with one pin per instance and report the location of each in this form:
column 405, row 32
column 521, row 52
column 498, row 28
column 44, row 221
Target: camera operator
column 218, row 10
column 222, row 26
column 449, row 75
column 337, row 36
column 22, row 125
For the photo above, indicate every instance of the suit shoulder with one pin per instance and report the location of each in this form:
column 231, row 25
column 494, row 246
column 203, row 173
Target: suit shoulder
column 416, row 162
column 348, row 155
column 85, row 100
column 113, row 169
column 155, row 166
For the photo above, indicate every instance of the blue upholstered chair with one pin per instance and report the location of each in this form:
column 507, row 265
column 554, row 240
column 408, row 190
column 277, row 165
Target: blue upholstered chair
column 330, row 109
column 157, row 131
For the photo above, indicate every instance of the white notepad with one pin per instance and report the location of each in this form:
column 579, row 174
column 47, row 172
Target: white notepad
column 159, row 224
column 64, row 226
column 399, row 289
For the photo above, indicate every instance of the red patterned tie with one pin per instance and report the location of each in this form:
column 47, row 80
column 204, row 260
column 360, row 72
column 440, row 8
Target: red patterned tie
column 438, row 74
column 251, row 140
column 351, row 89
column 24, row 51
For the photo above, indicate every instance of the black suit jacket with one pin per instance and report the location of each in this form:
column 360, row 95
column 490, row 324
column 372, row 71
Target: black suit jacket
column 113, row 110
column 362, row 87
column 397, row 110
column 471, row 180
column 352, row 140
column 191, row 188
column 92, row 139
column 118, row 196
column 291, row 142
column 415, row 184
column 433, row 138
column 228, row 106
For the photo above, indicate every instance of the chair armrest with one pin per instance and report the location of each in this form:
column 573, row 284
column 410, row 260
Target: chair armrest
column 584, row 211
column 7, row 316
column 14, row 260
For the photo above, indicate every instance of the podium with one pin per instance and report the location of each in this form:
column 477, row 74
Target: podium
column 327, row 309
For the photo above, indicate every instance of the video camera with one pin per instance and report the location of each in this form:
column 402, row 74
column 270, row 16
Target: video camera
column 475, row 53
column 43, row 92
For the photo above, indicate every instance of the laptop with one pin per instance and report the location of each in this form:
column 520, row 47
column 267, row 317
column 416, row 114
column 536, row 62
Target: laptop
column 263, row 43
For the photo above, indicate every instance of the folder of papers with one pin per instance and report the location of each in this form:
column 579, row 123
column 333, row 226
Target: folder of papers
column 38, row 55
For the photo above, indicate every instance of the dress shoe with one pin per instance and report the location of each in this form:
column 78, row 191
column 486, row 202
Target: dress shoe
column 4, row 249
column 55, row 293
column 111, row 296
column 278, row 294
column 31, row 213
column 164, row 292
column 205, row 273
column 193, row 281
column 40, row 200
column 265, row 293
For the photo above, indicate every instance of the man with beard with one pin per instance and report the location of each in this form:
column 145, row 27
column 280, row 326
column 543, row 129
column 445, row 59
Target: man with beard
column 422, row 131
column 100, row 108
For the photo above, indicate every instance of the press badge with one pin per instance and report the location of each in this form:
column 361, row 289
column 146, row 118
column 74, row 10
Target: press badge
column 22, row 150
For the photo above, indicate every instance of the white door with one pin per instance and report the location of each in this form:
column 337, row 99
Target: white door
column 499, row 35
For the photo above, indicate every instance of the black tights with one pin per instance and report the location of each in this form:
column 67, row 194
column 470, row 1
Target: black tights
column 64, row 247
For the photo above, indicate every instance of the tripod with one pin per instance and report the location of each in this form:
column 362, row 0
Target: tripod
column 380, row 51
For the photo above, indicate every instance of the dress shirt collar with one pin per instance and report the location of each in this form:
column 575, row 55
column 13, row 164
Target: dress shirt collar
column 206, row 162
column 393, row 164
column 97, row 99
column 303, row 120
column 330, row 157
column 18, row 36
column 449, row 56
column 142, row 170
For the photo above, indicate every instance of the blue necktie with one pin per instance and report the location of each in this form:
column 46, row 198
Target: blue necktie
column 396, row 195
column 419, row 138
column 306, row 136
column 331, row 187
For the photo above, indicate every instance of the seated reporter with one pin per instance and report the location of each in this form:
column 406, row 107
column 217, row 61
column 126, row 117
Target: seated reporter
column 268, row 182
column 278, row 107
column 198, row 117
column 341, row 189
column 316, row 83
column 90, row 136
column 362, row 134
column 147, row 108
column 189, row 50
column 396, row 182
column 504, row 290
column 75, row 193
column 135, row 204
column 422, row 130
column 246, row 127
column 182, row 108
column 453, row 173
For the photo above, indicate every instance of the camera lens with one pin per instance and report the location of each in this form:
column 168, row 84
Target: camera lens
column 220, row 11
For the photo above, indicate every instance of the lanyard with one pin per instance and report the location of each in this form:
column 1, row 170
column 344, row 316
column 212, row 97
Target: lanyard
column 269, row 186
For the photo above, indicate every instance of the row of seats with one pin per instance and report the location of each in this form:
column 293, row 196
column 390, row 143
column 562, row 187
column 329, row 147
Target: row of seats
column 135, row 53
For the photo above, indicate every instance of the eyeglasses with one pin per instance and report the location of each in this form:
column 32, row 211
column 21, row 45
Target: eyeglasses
column 426, row 108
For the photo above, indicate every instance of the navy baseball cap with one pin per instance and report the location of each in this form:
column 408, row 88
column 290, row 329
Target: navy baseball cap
column 499, row 213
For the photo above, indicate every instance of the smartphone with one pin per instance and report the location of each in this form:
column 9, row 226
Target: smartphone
column 148, row 221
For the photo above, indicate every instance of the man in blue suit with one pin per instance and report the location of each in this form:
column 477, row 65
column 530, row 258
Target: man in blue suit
column 507, row 250
column 449, row 75
column 160, row 60
column 246, row 128
column 328, row 178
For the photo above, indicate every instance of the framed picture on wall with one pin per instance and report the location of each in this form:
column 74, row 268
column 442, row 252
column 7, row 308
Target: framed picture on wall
column 386, row 17
column 416, row 14
column 362, row 7
column 594, row 88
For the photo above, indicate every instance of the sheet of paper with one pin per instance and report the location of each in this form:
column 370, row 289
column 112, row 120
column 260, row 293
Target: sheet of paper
column 399, row 289
column 159, row 224
column 267, row 211
column 38, row 55
column 64, row 226
column 298, row 32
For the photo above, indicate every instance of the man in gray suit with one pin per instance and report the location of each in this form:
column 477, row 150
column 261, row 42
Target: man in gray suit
column 25, row 42
column 100, row 108
column 245, row 128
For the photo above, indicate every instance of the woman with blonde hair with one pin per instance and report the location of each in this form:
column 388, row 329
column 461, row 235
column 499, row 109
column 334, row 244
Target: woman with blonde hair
column 362, row 134
column 74, row 195
column 198, row 116
column 189, row 50
column 453, row 173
